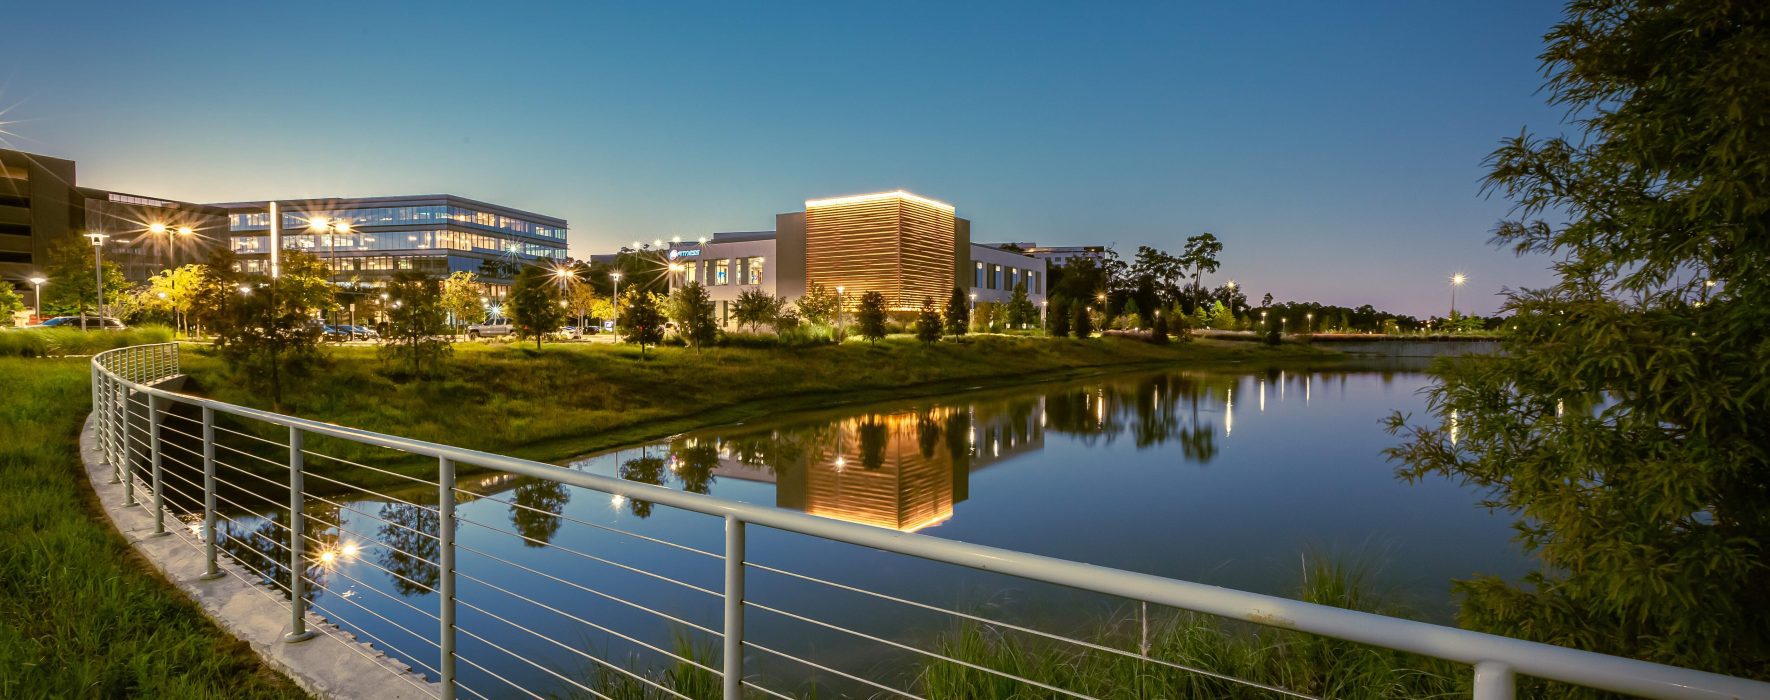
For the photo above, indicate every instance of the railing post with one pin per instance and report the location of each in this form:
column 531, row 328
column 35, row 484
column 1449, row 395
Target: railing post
column 445, row 533
column 155, row 480
column 214, row 570
column 112, row 408
column 127, row 473
column 1494, row 681
column 298, row 631
column 734, row 608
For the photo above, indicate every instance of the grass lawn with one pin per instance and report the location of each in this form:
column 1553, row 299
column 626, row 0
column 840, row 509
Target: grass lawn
column 570, row 399
column 80, row 614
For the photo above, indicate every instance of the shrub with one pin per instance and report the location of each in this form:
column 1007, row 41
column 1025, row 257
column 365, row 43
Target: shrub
column 56, row 342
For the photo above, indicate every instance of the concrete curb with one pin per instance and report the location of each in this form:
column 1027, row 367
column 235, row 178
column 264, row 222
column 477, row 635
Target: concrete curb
column 331, row 665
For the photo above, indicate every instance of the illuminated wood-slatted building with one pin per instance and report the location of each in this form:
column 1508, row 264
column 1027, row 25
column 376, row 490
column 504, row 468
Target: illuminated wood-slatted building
column 905, row 246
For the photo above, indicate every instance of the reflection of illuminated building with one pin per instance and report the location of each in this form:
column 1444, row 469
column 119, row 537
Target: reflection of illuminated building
column 905, row 470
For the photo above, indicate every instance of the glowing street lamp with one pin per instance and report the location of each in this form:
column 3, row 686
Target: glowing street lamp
column 37, row 298
column 98, row 266
column 616, row 276
column 172, row 234
column 1456, row 280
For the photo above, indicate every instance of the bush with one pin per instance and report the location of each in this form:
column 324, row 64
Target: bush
column 56, row 342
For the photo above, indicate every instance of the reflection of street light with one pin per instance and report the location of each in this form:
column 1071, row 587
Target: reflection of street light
column 37, row 298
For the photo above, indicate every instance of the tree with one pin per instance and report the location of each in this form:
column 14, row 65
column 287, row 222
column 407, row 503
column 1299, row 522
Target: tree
column 1080, row 322
column 73, row 288
column 10, row 302
column 692, row 311
column 755, row 307
column 870, row 318
column 1623, row 422
column 462, row 299
column 581, row 301
column 818, row 306
column 268, row 330
column 535, row 306
column 928, row 322
column 1130, row 316
column 1200, row 256
column 641, row 321
column 958, row 312
column 1158, row 329
column 1059, row 320
column 1162, row 272
column 1020, row 308
column 416, row 323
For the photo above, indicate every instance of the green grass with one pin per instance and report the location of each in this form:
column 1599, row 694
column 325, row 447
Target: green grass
column 1292, row 660
column 57, row 342
column 80, row 614
column 571, row 399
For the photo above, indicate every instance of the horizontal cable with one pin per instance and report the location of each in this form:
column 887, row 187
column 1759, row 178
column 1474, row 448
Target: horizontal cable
column 339, row 570
column 238, row 451
column 335, row 619
column 366, row 514
column 767, row 691
column 567, row 647
column 924, row 652
column 595, row 525
column 250, row 436
column 592, row 591
column 342, row 460
column 595, row 558
column 322, row 586
column 580, row 620
column 371, row 492
column 273, row 482
column 827, row 669
column 390, row 572
column 521, row 658
column 1029, row 630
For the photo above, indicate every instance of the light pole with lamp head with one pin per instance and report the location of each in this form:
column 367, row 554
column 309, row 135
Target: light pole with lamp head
column 97, row 273
column 616, row 276
column 332, row 228
column 172, row 234
column 37, row 298
column 1456, row 280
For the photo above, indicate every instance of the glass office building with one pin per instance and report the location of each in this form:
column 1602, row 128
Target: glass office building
column 365, row 240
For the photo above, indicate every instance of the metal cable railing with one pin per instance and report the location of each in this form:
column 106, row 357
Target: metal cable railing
column 509, row 621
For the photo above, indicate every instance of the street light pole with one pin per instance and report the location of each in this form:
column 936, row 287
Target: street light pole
column 37, row 298
column 616, row 276
column 97, row 273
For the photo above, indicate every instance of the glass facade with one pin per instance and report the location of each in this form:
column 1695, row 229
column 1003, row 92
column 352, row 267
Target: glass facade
column 425, row 236
column 722, row 273
column 753, row 270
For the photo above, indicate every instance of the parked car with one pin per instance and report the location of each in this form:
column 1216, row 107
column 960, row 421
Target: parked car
column 362, row 332
column 492, row 327
column 335, row 334
column 93, row 323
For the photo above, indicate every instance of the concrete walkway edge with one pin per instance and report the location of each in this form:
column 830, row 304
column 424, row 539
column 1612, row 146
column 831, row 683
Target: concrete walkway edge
column 331, row 665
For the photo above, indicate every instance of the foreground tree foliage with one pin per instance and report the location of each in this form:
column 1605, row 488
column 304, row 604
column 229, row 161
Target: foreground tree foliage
column 1626, row 422
column 928, row 322
column 958, row 315
column 641, row 321
column 462, row 299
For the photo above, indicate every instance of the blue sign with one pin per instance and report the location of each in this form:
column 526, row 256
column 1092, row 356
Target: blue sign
column 688, row 253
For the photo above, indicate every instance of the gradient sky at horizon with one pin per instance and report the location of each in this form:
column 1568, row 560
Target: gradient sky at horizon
column 1335, row 149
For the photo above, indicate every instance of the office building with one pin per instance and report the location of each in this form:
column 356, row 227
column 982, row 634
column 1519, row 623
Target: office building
column 40, row 204
column 1057, row 256
column 904, row 246
column 366, row 239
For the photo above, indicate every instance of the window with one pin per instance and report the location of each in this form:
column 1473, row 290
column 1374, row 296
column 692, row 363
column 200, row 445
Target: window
column 721, row 273
column 995, row 277
column 978, row 282
column 753, row 271
column 1036, row 289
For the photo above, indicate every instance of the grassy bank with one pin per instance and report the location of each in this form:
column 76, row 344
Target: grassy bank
column 57, row 342
column 566, row 400
column 80, row 614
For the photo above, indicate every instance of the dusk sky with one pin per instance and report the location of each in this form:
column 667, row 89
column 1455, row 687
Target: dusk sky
column 1335, row 148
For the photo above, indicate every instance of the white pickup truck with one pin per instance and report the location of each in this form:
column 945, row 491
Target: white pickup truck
column 491, row 327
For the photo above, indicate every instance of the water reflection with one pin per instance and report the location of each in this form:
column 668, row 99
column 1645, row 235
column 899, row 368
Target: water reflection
column 907, row 467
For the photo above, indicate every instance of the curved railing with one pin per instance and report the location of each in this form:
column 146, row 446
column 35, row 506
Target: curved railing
column 135, row 417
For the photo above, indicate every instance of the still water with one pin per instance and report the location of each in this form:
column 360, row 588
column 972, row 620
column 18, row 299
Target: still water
column 1227, row 478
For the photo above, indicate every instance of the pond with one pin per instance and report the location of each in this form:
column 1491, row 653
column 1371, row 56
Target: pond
column 1231, row 478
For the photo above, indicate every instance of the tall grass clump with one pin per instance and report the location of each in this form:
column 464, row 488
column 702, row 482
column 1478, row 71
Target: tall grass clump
column 59, row 342
column 1276, row 657
column 80, row 615
column 679, row 676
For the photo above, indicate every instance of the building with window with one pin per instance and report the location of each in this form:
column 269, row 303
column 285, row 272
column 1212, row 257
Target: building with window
column 899, row 244
column 1057, row 256
column 40, row 204
column 366, row 239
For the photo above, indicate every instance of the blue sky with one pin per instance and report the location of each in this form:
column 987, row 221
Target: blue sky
column 1336, row 148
